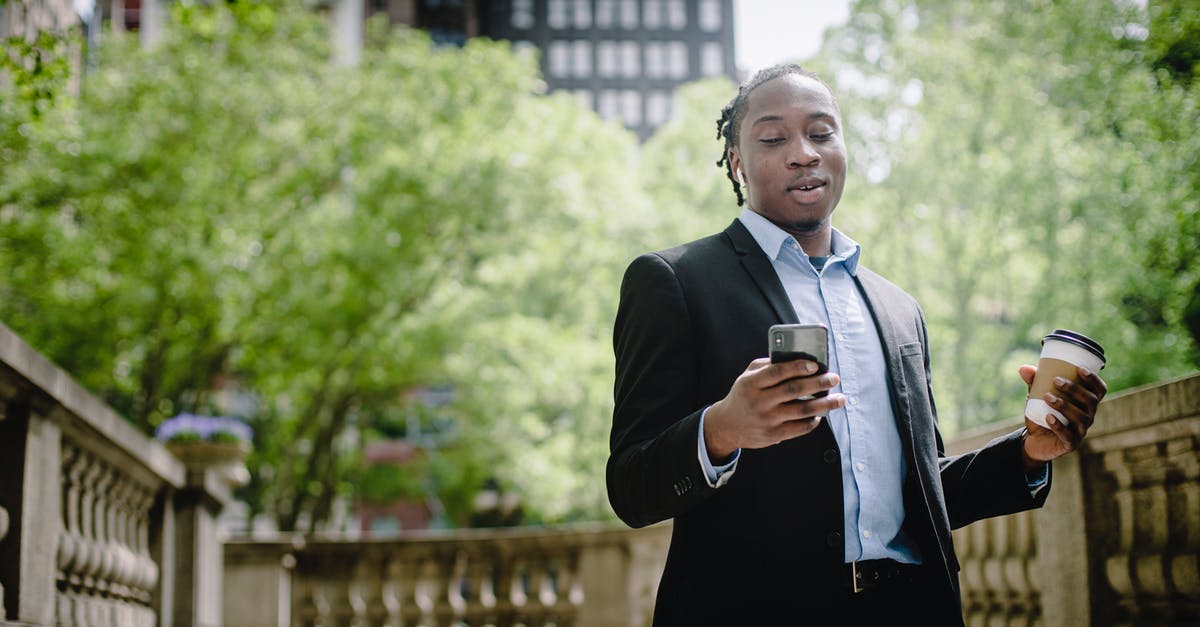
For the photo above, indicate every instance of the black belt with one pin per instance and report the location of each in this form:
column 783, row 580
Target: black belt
column 867, row 574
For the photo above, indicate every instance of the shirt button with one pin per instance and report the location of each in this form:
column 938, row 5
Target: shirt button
column 860, row 466
column 853, row 400
column 867, row 534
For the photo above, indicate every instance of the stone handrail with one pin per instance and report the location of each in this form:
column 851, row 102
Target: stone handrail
column 577, row 575
column 1118, row 541
column 99, row 523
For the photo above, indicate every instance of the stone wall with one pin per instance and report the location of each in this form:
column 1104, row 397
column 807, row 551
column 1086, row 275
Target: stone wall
column 99, row 525
column 587, row 576
column 1118, row 542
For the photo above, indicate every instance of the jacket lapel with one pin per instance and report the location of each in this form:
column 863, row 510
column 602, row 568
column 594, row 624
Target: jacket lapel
column 759, row 267
column 877, row 304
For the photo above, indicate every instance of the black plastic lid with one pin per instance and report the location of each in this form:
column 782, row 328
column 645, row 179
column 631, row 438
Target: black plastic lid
column 1078, row 339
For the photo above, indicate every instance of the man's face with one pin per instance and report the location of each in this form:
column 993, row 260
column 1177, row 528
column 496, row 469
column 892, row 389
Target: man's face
column 791, row 155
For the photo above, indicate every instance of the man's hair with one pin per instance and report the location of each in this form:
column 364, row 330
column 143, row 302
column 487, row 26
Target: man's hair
column 730, row 122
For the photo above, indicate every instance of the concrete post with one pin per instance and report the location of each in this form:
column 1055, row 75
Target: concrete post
column 198, row 549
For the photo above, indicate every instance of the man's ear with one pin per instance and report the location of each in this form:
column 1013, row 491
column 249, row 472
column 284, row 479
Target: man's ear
column 735, row 164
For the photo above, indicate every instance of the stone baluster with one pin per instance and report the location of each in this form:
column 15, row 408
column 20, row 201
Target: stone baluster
column 360, row 592
column 405, row 588
column 569, row 587
column 540, row 589
column 481, row 588
column 315, row 609
column 458, row 589
column 70, row 539
column 392, row 593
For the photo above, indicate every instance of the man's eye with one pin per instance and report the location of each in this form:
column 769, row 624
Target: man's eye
column 771, row 140
column 822, row 136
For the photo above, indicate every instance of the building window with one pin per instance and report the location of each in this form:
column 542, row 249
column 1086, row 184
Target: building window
column 658, row 107
column 606, row 13
column 608, row 104
column 711, row 60
column 556, row 13
column 522, row 14
column 710, row 15
column 677, row 59
column 606, row 59
column 629, row 14
column 582, row 14
column 676, row 14
column 558, row 58
column 631, row 108
column 630, row 67
column 652, row 13
column 581, row 58
column 562, row 14
column 656, row 62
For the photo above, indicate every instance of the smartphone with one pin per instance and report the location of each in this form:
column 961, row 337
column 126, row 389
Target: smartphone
column 786, row 342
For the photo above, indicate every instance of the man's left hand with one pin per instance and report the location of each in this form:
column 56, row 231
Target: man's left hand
column 1077, row 402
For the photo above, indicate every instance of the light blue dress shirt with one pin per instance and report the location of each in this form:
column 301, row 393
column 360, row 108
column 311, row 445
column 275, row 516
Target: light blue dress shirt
column 873, row 466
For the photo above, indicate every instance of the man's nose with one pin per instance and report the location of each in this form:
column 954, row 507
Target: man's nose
column 803, row 155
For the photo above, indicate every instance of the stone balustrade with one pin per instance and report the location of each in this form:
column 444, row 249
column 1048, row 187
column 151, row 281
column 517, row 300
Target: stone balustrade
column 576, row 575
column 99, row 524
column 1118, row 542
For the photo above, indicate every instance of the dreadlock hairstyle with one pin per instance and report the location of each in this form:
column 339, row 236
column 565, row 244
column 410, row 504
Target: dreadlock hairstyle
column 730, row 122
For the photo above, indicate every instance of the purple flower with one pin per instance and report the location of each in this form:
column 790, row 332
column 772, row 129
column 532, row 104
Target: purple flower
column 204, row 428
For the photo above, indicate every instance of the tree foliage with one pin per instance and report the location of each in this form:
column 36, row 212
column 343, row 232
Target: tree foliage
column 231, row 222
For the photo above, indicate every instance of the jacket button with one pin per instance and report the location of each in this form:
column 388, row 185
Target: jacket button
column 830, row 456
column 834, row 539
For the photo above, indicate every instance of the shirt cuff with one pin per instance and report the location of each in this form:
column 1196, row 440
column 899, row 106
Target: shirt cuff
column 1037, row 479
column 716, row 476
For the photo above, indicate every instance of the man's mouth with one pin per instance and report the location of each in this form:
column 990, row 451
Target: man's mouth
column 807, row 191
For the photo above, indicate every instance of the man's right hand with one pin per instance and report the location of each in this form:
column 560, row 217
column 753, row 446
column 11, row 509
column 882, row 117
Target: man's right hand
column 761, row 408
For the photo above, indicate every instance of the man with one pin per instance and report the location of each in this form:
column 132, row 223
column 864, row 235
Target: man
column 834, row 509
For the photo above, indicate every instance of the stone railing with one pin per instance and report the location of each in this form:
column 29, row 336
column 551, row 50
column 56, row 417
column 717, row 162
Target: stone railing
column 99, row 525
column 590, row 575
column 1118, row 542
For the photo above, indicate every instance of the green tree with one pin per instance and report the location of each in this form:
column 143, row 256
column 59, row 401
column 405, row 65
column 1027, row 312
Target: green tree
column 1007, row 174
column 230, row 206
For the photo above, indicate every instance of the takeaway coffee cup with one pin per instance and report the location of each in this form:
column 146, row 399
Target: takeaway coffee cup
column 1062, row 351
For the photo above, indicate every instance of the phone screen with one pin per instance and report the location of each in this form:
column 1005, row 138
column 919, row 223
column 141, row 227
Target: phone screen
column 787, row 342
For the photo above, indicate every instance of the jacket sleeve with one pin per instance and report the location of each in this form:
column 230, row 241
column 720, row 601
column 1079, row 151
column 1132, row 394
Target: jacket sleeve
column 653, row 471
column 988, row 481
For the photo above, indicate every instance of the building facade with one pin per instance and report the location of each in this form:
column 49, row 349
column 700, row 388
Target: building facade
column 623, row 58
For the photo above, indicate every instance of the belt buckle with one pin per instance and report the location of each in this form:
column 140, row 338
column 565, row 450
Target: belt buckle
column 854, row 578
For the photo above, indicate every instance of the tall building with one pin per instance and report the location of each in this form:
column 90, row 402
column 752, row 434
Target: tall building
column 624, row 58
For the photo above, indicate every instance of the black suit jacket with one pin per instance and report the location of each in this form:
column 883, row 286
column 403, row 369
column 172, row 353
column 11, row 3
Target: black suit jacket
column 768, row 543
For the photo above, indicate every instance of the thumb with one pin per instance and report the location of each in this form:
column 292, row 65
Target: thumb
column 1027, row 372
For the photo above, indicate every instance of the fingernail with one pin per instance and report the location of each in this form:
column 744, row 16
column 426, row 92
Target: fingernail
column 809, row 367
column 1052, row 399
column 1060, row 382
column 1084, row 371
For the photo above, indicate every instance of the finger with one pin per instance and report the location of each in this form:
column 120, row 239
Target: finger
column 1027, row 373
column 799, row 410
column 1079, row 396
column 1078, row 421
column 1092, row 382
column 802, row 387
column 795, row 428
column 784, row 370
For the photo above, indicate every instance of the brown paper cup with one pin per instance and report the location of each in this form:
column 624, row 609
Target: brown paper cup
column 1062, row 352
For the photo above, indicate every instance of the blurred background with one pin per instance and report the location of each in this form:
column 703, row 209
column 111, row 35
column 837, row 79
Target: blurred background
column 388, row 235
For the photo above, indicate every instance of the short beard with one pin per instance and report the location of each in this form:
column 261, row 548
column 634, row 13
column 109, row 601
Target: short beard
column 806, row 226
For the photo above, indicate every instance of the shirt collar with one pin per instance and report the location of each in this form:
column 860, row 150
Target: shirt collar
column 772, row 239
